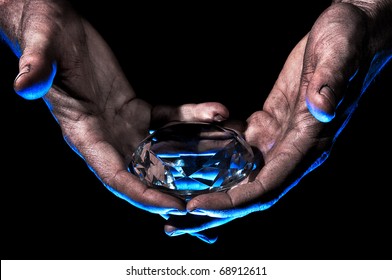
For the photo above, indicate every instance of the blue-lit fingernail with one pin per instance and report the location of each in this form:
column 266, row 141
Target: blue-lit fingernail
column 319, row 114
column 165, row 216
column 174, row 232
column 199, row 212
column 176, row 212
column 205, row 238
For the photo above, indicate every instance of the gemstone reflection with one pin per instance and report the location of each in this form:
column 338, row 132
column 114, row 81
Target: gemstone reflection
column 187, row 159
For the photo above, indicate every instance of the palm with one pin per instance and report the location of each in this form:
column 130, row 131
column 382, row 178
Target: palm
column 97, row 110
column 287, row 135
column 288, row 139
column 102, row 119
column 297, row 126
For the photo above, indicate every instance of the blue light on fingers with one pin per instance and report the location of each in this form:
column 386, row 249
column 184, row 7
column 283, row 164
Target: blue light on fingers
column 39, row 89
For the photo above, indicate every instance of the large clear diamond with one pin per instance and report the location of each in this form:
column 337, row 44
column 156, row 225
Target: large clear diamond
column 186, row 159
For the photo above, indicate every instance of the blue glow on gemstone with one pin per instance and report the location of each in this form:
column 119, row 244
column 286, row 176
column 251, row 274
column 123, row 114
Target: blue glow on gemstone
column 177, row 163
column 187, row 183
column 176, row 171
column 194, row 157
column 179, row 155
column 237, row 163
column 218, row 182
column 208, row 174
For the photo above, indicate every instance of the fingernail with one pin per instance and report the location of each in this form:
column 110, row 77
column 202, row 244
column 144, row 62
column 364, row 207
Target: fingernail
column 218, row 118
column 199, row 212
column 22, row 71
column 174, row 233
column 165, row 216
column 205, row 238
column 176, row 212
column 329, row 94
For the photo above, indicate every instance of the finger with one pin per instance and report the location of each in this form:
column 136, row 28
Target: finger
column 203, row 226
column 109, row 166
column 235, row 203
column 257, row 194
column 209, row 236
column 37, row 67
column 203, row 112
column 36, row 75
column 205, row 237
column 165, row 216
column 129, row 188
column 332, row 59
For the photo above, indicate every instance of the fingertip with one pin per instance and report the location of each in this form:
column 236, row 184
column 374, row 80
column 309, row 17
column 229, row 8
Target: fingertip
column 172, row 231
column 322, row 104
column 218, row 118
column 220, row 111
column 165, row 216
column 177, row 212
column 35, row 78
column 211, row 204
column 205, row 238
column 206, row 111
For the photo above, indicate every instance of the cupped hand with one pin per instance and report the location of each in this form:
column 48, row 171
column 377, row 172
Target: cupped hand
column 312, row 100
column 64, row 61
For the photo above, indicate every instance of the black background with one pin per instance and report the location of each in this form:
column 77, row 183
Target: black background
column 53, row 207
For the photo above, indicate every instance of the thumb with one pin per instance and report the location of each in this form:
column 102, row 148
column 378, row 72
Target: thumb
column 37, row 67
column 332, row 59
column 324, row 94
column 36, row 74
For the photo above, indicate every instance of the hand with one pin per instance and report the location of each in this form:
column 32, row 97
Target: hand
column 63, row 60
column 310, row 103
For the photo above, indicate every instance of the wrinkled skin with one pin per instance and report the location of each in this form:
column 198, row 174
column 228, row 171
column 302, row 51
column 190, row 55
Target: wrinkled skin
column 100, row 116
column 65, row 61
column 310, row 103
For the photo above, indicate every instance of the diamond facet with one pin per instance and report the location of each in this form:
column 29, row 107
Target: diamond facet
column 186, row 159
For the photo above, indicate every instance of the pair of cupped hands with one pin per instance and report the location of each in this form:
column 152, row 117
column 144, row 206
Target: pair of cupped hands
column 64, row 61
